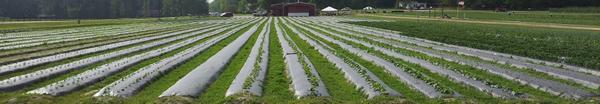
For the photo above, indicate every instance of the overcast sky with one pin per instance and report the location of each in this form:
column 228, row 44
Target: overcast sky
column 209, row 1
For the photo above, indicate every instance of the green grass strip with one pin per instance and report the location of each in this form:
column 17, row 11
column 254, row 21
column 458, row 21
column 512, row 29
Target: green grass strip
column 276, row 88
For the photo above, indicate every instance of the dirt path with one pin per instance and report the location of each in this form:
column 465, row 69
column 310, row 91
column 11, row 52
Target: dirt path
column 516, row 23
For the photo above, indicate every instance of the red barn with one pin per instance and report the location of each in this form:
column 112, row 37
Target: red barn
column 293, row 9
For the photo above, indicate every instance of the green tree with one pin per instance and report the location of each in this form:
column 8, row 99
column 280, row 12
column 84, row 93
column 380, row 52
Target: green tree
column 446, row 2
column 201, row 7
column 167, row 8
column 143, row 8
column 262, row 4
column 242, row 6
column 146, row 8
column 215, row 5
column 224, row 5
column 115, row 6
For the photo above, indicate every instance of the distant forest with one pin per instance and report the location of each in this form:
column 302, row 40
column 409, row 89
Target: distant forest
column 150, row 8
column 100, row 8
column 249, row 5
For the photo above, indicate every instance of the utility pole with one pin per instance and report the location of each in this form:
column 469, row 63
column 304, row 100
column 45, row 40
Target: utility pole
column 79, row 12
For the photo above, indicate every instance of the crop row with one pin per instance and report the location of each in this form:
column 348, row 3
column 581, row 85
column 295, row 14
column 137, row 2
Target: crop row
column 15, row 82
column 251, row 76
column 305, row 79
column 434, row 68
column 361, row 77
column 91, row 34
column 133, row 82
column 198, row 79
column 28, row 63
column 99, row 73
column 542, row 84
column 418, row 84
column 46, row 33
column 572, row 73
column 60, row 38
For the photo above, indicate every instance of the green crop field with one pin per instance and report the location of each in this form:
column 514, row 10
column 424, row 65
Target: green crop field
column 318, row 60
column 515, row 16
column 25, row 25
column 300, row 52
column 577, row 46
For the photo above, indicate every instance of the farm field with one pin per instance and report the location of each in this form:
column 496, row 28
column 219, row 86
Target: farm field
column 514, row 16
column 28, row 25
column 247, row 59
column 571, row 46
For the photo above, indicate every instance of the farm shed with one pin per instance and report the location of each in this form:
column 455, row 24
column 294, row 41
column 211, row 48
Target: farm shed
column 293, row 9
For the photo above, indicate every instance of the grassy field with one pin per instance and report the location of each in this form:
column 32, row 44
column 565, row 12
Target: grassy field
column 518, row 16
column 579, row 47
column 576, row 10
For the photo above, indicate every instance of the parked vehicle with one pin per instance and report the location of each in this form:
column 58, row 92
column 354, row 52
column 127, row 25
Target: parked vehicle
column 227, row 14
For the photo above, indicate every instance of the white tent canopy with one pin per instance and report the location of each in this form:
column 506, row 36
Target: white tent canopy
column 368, row 8
column 329, row 9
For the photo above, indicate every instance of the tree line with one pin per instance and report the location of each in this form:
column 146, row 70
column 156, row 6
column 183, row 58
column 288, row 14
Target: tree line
column 100, row 8
column 250, row 5
column 149, row 8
